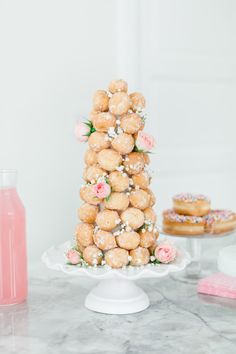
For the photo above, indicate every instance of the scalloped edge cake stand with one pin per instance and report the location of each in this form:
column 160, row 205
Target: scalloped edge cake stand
column 116, row 292
column 193, row 272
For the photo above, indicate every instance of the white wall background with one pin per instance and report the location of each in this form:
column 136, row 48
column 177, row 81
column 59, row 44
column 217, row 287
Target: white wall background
column 54, row 54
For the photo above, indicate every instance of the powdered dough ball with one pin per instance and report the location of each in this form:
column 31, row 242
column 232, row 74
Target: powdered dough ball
column 147, row 238
column 137, row 101
column 140, row 199
column 103, row 121
column 134, row 163
column 104, row 240
column 140, row 256
column 87, row 195
column 92, row 255
column 152, row 197
column 109, row 159
column 100, row 101
column 84, row 234
column 118, row 86
column 118, row 181
column 133, row 217
column 141, row 180
column 90, row 157
column 107, row 219
column 119, row 103
column 128, row 240
column 117, row 201
column 88, row 213
column 150, row 215
column 131, row 123
column 123, row 143
column 98, row 141
column 92, row 173
column 117, row 257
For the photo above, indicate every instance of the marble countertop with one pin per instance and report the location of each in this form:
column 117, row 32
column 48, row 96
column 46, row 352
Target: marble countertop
column 55, row 321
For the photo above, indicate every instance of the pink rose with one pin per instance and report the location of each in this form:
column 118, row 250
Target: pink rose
column 81, row 132
column 102, row 189
column 165, row 252
column 145, row 142
column 73, row 256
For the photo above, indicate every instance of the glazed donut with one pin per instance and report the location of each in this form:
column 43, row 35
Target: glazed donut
column 90, row 157
column 191, row 204
column 152, row 197
column 103, row 121
column 117, row 257
column 133, row 217
column 107, row 219
column 104, row 240
column 92, row 173
column 128, row 240
column 98, row 141
column 88, row 196
column 117, row 201
column 139, row 256
column 147, row 238
column 137, row 101
column 140, row 199
column 88, row 213
column 118, row 181
column 100, row 101
column 119, row 103
column 131, row 123
column 118, row 86
column 220, row 221
column 109, row 159
column 177, row 224
column 92, row 255
column 141, row 180
column 84, row 234
column 134, row 163
column 150, row 215
column 123, row 143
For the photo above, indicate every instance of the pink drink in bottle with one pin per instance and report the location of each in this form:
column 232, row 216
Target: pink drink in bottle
column 13, row 256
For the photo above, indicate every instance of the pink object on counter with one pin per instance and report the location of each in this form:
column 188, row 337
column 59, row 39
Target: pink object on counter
column 13, row 257
column 218, row 284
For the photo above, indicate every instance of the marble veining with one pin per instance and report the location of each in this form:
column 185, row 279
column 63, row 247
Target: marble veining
column 55, row 321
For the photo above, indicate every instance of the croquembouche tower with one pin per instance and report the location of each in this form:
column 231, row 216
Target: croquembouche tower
column 117, row 219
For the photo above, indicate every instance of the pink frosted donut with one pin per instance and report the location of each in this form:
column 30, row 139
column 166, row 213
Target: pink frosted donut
column 128, row 240
column 141, row 180
column 104, row 240
column 90, row 157
column 131, row 123
column 150, row 215
column 119, row 103
column 92, row 173
column 87, row 195
column 98, row 141
column 84, row 234
column 118, row 86
column 137, row 101
column 107, row 219
column 100, row 101
column 117, row 201
column 119, row 182
column 133, row 217
column 103, row 121
column 109, row 159
column 134, row 163
column 123, row 143
column 88, row 213
column 92, row 255
column 140, row 199
column 147, row 238
column 117, row 257
column 139, row 256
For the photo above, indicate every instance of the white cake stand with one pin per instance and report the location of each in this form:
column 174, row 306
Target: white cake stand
column 116, row 292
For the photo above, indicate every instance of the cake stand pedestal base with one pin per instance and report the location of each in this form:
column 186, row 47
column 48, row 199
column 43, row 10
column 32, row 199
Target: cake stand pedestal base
column 117, row 296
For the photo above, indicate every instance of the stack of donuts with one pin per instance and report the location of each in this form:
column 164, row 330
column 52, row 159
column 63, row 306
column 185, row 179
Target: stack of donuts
column 117, row 220
column 192, row 215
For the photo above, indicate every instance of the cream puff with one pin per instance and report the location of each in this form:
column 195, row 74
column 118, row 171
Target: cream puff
column 137, row 101
column 152, row 197
column 147, row 238
column 117, row 201
column 128, row 240
column 88, row 213
column 119, row 103
column 177, row 224
column 150, row 215
column 92, row 255
column 109, row 159
column 104, row 240
column 88, row 196
column 141, row 180
column 84, row 234
column 117, row 257
column 100, row 101
column 134, row 163
column 191, row 204
column 118, row 86
column 107, row 219
column 90, row 157
column 118, row 181
column 139, row 256
column 103, row 121
column 92, row 173
column 131, row 123
column 98, row 141
column 123, row 143
column 133, row 217
column 140, row 199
